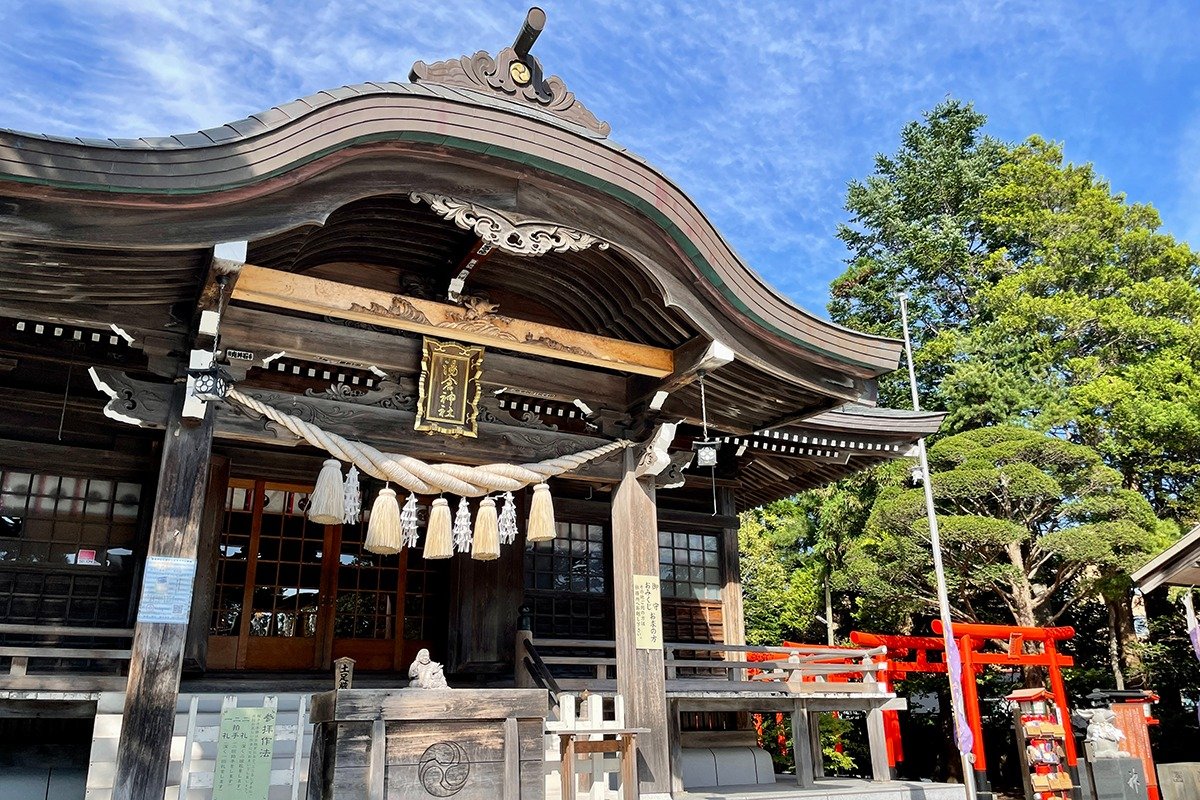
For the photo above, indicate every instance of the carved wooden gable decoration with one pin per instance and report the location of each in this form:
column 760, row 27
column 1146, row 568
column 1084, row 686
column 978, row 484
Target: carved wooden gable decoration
column 449, row 388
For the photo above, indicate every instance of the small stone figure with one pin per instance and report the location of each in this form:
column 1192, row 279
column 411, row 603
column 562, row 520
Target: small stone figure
column 425, row 673
column 1103, row 735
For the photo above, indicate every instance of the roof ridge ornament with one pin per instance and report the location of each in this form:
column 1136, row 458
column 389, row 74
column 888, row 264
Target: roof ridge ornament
column 515, row 74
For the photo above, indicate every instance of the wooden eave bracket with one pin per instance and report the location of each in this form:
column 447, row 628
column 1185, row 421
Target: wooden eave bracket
column 654, row 458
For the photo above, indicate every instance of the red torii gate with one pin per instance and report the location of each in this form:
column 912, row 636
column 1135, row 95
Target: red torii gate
column 972, row 636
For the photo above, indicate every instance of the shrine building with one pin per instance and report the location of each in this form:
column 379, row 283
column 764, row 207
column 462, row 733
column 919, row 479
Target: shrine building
column 464, row 289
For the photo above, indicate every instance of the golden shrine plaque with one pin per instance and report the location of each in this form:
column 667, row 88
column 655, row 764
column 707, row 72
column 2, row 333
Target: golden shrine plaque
column 449, row 388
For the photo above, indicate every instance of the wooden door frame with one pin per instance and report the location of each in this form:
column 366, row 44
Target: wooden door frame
column 325, row 633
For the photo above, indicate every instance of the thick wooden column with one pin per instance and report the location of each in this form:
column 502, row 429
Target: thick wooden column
column 640, row 674
column 154, row 668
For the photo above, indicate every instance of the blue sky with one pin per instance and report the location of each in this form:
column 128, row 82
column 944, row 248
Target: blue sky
column 761, row 110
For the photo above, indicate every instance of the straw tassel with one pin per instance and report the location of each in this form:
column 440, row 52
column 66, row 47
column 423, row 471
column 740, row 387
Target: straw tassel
column 437, row 536
column 352, row 498
column 486, row 544
column 462, row 527
column 408, row 521
column 541, row 515
column 383, row 531
column 508, row 520
column 325, row 502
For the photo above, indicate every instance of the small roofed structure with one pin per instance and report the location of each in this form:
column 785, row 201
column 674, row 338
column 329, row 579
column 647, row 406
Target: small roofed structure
column 1178, row 565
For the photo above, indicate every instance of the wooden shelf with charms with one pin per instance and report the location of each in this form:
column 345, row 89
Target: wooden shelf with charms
column 1041, row 728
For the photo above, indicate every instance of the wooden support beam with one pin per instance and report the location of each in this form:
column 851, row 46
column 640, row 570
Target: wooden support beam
column 263, row 334
column 641, row 678
column 149, row 716
column 697, row 356
column 804, row 757
column 477, row 324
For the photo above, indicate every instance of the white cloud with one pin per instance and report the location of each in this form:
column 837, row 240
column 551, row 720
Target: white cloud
column 762, row 110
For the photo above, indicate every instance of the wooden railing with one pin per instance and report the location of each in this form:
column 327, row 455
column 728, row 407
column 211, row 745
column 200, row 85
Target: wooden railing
column 53, row 642
column 576, row 664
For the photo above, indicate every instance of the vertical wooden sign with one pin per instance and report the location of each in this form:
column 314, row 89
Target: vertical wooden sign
column 647, row 612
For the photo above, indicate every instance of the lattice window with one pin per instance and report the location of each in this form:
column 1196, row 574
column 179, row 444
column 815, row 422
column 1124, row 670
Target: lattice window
column 367, row 589
column 689, row 565
column 287, row 575
column 426, row 591
column 234, row 549
column 567, row 585
column 68, row 546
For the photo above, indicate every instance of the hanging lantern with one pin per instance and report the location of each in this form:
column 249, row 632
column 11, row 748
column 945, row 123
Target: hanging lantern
column 211, row 382
column 706, row 452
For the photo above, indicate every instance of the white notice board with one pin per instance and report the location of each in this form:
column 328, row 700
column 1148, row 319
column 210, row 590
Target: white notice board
column 167, row 590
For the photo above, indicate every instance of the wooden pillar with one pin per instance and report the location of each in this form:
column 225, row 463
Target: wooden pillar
column 877, row 742
column 801, row 736
column 154, row 667
column 195, row 653
column 814, row 743
column 640, row 674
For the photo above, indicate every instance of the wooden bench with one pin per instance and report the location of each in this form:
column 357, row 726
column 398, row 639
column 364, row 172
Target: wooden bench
column 49, row 645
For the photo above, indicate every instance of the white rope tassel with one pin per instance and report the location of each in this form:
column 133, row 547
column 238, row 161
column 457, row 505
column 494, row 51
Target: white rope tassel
column 437, row 533
column 541, row 516
column 351, row 498
column 485, row 546
column 325, row 502
column 383, row 531
column 508, row 520
column 415, row 475
column 408, row 521
column 462, row 527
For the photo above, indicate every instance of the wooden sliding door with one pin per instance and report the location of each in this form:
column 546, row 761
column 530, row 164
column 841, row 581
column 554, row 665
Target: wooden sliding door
column 293, row 595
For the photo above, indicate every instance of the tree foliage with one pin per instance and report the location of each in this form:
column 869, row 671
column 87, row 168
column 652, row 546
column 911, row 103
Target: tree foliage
column 1058, row 327
column 1023, row 517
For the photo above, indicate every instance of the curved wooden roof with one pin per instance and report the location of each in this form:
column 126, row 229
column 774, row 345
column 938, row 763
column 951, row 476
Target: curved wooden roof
column 299, row 162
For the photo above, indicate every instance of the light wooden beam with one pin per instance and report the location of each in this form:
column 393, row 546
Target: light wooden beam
column 477, row 325
column 697, row 356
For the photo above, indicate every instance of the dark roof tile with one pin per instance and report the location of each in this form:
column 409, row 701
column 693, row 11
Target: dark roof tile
column 271, row 117
column 223, row 133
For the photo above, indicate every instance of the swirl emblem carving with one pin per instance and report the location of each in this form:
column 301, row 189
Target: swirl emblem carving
column 443, row 769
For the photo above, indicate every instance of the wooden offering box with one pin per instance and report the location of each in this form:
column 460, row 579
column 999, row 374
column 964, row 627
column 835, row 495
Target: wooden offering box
column 397, row 744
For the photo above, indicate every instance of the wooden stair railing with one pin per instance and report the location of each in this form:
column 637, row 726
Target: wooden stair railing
column 538, row 669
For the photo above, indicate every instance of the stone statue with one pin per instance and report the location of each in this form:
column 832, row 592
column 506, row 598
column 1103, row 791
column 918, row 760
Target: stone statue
column 425, row 673
column 1103, row 735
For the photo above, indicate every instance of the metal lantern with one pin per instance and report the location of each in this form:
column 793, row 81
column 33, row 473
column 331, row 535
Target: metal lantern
column 211, row 382
column 706, row 452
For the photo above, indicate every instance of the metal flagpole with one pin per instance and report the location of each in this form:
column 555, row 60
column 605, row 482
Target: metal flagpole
column 963, row 735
